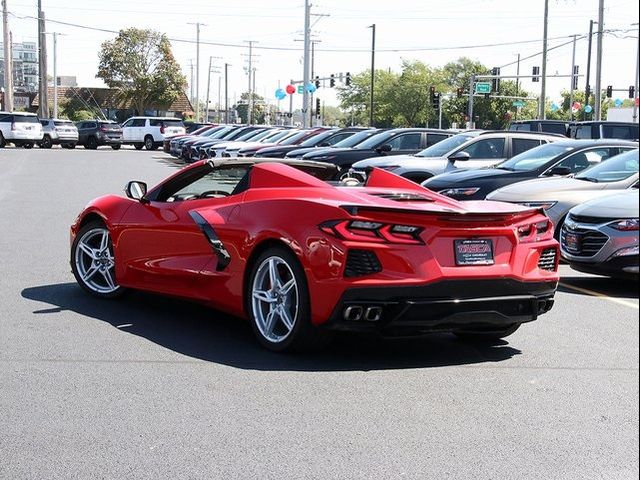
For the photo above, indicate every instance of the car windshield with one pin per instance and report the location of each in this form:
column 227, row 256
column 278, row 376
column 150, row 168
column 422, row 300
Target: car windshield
column 63, row 123
column 374, row 141
column 252, row 135
column 440, row 149
column 172, row 123
column 316, row 139
column 276, row 135
column 25, row 119
column 356, row 139
column 614, row 169
column 109, row 126
column 534, row 158
column 219, row 133
column 293, row 139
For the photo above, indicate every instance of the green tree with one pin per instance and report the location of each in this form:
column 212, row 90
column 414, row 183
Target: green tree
column 139, row 63
column 259, row 110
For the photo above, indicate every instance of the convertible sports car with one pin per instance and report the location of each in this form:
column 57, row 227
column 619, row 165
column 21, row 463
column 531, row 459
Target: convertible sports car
column 299, row 256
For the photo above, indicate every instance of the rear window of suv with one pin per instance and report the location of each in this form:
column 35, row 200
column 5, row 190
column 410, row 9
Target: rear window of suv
column 63, row 124
column 109, row 126
column 623, row 132
column 166, row 123
column 25, row 119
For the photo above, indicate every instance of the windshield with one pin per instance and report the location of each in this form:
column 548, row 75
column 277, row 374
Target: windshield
column 534, row 158
column 293, row 139
column 440, row 149
column 109, row 126
column 219, row 133
column 63, row 123
column 252, row 135
column 316, row 139
column 26, row 119
column 173, row 123
column 356, row 139
column 614, row 169
column 374, row 141
column 276, row 135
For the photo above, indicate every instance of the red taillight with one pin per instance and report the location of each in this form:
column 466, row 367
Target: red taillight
column 535, row 232
column 13, row 126
column 373, row 232
column 161, row 128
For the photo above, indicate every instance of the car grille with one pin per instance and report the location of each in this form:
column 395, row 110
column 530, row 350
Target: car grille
column 590, row 241
column 547, row 260
column 590, row 220
column 361, row 262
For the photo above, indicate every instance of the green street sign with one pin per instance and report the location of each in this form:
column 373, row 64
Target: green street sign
column 518, row 103
column 483, row 87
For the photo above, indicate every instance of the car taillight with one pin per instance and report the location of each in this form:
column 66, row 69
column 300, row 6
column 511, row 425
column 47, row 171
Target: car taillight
column 374, row 232
column 13, row 126
column 535, row 232
column 161, row 128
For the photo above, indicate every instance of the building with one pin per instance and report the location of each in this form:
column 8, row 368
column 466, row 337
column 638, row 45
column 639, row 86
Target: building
column 25, row 66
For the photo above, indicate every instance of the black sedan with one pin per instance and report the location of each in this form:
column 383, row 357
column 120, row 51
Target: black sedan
column 325, row 139
column 399, row 141
column 561, row 158
column 349, row 142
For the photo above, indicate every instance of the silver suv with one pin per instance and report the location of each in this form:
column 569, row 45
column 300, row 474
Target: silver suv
column 58, row 132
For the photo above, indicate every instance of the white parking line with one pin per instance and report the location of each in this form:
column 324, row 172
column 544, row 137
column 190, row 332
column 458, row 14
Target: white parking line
column 593, row 293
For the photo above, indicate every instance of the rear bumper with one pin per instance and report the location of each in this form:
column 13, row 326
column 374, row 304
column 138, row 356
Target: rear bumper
column 451, row 305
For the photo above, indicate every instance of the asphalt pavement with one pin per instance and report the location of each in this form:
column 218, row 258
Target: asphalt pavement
column 151, row 387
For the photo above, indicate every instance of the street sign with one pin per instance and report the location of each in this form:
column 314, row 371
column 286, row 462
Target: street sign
column 483, row 87
column 518, row 103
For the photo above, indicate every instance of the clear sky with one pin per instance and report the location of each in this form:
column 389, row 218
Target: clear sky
column 435, row 32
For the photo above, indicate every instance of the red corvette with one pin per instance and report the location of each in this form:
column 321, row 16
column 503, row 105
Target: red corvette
column 298, row 256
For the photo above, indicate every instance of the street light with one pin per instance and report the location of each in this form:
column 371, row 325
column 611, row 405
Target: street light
column 55, row 71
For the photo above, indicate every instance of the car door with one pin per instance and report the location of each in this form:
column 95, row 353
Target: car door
column 405, row 143
column 164, row 245
column 586, row 158
column 82, row 132
column 127, row 133
column 485, row 151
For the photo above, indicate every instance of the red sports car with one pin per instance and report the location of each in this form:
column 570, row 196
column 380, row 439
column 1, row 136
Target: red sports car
column 300, row 256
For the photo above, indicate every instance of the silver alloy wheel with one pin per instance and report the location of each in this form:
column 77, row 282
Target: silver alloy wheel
column 275, row 299
column 94, row 261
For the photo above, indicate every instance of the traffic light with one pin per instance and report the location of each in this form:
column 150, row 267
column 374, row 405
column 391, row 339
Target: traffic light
column 535, row 73
column 495, row 82
column 574, row 82
column 459, row 92
column 317, row 82
column 317, row 106
column 435, row 101
column 332, row 80
column 609, row 91
column 432, row 95
column 632, row 91
column 347, row 79
column 588, row 90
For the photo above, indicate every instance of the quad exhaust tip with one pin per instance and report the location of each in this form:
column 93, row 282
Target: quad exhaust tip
column 356, row 313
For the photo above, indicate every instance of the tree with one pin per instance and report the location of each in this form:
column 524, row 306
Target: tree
column 140, row 64
column 258, row 113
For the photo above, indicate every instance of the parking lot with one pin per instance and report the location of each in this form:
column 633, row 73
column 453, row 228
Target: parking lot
column 151, row 387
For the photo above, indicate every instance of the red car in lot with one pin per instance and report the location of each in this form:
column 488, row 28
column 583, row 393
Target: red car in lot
column 300, row 256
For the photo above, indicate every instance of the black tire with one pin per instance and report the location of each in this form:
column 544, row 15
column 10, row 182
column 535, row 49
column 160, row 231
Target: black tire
column 46, row 142
column 3, row 142
column 138, row 146
column 71, row 146
column 486, row 336
column 92, row 143
column 80, row 262
column 28, row 145
column 149, row 144
column 116, row 147
column 303, row 336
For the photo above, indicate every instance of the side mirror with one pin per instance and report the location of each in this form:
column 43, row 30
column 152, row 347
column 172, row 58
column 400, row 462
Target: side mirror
column 559, row 171
column 459, row 157
column 384, row 148
column 136, row 190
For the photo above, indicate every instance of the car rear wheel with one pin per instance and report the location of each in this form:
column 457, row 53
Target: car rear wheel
column 138, row 146
column 115, row 147
column 92, row 143
column 46, row 142
column 92, row 261
column 278, row 303
column 3, row 142
column 486, row 335
column 28, row 145
column 149, row 144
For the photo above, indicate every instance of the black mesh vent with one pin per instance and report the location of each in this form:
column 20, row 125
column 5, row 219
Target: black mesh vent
column 361, row 262
column 547, row 259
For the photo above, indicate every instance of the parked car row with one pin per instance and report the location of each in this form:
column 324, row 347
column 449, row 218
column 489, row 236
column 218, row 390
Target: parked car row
column 580, row 130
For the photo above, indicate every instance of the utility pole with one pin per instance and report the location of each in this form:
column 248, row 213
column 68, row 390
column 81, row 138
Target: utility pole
column 7, row 102
column 306, row 63
column 55, row 73
column 226, row 93
column 42, row 59
column 517, row 84
column 573, row 76
column 191, row 97
column 587, row 88
column 219, row 116
column 249, row 78
column 635, row 104
column 598, row 92
column 373, row 71
column 543, row 85
column 472, row 83
column 198, row 25
column 206, row 118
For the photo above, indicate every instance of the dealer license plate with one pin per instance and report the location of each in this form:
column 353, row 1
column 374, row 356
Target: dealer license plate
column 473, row 252
column 572, row 242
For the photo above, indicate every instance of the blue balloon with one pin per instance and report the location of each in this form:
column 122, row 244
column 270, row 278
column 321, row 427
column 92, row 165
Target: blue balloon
column 617, row 102
column 280, row 94
column 588, row 109
column 554, row 107
column 311, row 87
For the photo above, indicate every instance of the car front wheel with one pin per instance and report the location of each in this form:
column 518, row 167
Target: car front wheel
column 149, row 144
column 46, row 142
column 278, row 303
column 92, row 261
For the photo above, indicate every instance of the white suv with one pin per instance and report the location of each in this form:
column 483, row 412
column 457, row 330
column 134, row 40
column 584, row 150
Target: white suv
column 58, row 132
column 20, row 128
column 150, row 132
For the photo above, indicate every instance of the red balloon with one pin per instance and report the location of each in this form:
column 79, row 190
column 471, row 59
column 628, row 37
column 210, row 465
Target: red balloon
column 290, row 89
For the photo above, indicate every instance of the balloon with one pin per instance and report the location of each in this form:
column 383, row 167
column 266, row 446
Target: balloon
column 290, row 89
column 311, row 87
column 588, row 109
column 280, row 94
column 554, row 107
column 617, row 102
column 576, row 107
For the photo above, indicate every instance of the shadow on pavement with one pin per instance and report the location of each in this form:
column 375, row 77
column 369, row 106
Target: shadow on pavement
column 612, row 287
column 206, row 334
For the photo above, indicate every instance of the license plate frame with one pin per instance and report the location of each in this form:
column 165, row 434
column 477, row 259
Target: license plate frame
column 473, row 252
column 572, row 242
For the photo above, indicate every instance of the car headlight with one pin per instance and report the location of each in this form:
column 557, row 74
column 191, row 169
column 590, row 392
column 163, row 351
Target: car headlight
column 544, row 205
column 459, row 192
column 625, row 225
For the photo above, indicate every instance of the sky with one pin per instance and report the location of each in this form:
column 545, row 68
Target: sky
column 435, row 32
